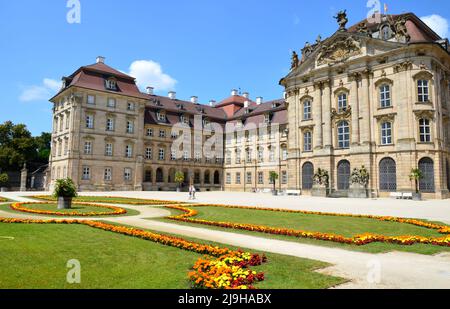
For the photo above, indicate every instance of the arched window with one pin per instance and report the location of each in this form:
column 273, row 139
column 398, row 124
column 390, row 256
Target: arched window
column 343, row 175
column 216, row 178
column 306, row 110
column 148, row 176
column 197, row 177
column 426, row 166
column 386, row 133
column 159, row 175
column 343, row 134
column 388, row 175
column 171, row 176
column 307, row 141
column 424, row 130
column 206, row 177
column 342, row 102
column 307, row 176
column 385, row 96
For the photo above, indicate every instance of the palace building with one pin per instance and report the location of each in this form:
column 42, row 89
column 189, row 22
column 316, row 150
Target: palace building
column 375, row 94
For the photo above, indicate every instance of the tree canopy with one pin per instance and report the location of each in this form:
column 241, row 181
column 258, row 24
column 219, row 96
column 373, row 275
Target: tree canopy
column 18, row 146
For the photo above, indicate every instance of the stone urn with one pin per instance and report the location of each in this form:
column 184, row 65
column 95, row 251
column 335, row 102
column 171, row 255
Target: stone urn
column 275, row 192
column 64, row 202
column 320, row 190
column 357, row 190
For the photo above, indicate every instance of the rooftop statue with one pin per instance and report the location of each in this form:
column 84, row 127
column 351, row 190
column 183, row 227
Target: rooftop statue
column 294, row 60
column 342, row 20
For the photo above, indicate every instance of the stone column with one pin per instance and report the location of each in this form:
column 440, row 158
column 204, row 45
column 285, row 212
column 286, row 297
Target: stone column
column 326, row 110
column 354, row 103
column 23, row 178
column 317, row 114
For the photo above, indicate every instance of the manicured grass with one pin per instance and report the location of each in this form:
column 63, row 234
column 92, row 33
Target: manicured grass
column 111, row 199
column 75, row 208
column 38, row 255
column 346, row 226
column 3, row 199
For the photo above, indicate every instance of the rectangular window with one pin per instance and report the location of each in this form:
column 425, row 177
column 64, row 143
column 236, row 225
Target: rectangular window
column 425, row 130
column 109, row 124
column 342, row 102
column 111, row 102
column 173, row 155
column 343, row 135
column 161, row 116
column 249, row 178
column 110, row 84
column 260, row 178
column 130, row 127
column 307, row 110
column 272, row 155
column 185, row 155
column 238, row 178
column 260, row 155
column 90, row 99
column 66, row 147
column 86, row 173
column 128, row 151
column 423, row 90
column 228, row 178
column 127, row 174
column 249, row 156
column 150, row 132
column 238, row 157
column 130, row 106
column 89, row 121
column 109, row 149
column 385, row 96
column 161, row 154
column 162, row 133
column 307, row 141
column 87, row 148
column 284, row 154
column 148, row 153
column 386, row 133
column 108, row 174
column 284, row 177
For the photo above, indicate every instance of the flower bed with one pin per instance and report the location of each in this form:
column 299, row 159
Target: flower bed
column 110, row 200
column 113, row 210
column 3, row 200
column 359, row 240
column 221, row 269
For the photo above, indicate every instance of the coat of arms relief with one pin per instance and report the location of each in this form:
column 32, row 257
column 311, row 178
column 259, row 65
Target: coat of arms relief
column 338, row 51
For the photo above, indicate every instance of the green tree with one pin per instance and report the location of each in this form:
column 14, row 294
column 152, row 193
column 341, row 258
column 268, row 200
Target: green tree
column 43, row 144
column 179, row 178
column 416, row 175
column 273, row 176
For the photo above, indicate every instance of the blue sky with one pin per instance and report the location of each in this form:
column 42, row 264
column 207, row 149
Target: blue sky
column 195, row 47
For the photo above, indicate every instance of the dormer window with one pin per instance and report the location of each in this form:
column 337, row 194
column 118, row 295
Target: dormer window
column 111, row 84
column 184, row 119
column 385, row 33
column 180, row 106
column 160, row 116
column 267, row 118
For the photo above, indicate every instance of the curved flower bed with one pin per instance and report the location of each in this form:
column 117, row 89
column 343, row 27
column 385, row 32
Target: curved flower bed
column 113, row 200
column 359, row 240
column 222, row 269
column 113, row 210
column 3, row 200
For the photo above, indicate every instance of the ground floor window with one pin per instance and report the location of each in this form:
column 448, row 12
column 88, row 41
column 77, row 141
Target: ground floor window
column 159, row 175
column 426, row 166
column 284, row 178
column 249, row 178
column 307, row 176
column 260, row 178
column 343, row 175
column 228, row 178
column 148, row 176
column 388, row 175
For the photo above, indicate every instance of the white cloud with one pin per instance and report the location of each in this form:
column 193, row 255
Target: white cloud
column 40, row 92
column 150, row 73
column 438, row 23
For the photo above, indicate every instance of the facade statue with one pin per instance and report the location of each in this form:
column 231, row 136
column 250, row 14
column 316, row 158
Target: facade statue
column 362, row 28
column 401, row 30
column 342, row 20
column 294, row 60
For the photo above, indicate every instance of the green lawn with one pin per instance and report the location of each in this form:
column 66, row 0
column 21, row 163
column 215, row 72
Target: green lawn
column 346, row 226
column 75, row 208
column 37, row 258
column 112, row 199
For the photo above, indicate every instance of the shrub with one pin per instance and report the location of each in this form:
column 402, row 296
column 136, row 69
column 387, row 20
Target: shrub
column 321, row 177
column 65, row 188
column 360, row 176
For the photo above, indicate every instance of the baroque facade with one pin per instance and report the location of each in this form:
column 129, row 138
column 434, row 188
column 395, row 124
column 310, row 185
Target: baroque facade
column 376, row 94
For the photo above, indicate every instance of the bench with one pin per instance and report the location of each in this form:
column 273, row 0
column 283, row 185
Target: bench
column 396, row 195
column 266, row 190
column 293, row 192
column 407, row 196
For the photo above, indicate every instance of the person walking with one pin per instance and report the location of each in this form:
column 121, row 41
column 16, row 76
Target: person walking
column 193, row 192
column 190, row 192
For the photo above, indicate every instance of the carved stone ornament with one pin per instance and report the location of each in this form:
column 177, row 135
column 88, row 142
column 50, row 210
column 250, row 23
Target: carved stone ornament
column 339, row 51
column 362, row 28
column 425, row 113
column 401, row 32
column 403, row 66
column 341, row 115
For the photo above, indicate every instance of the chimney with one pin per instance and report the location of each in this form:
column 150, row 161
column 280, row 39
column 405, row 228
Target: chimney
column 246, row 103
column 246, row 95
column 212, row 102
column 172, row 95
column 150, row 90
column 194, row 99
column 234, row 92
column 259, row 100
column 100, row 59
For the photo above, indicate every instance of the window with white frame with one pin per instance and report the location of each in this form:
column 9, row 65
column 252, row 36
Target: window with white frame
column 284, row 177
column 342, row 102
column 89, row 121
column 66, row 147
column 386, row 133
column 228, row 157
column 284, row 153
column 307, row 141
column 130, row 106
column 148, row 153
column 111, row 102
column 162, row 133
column 385, row 96
column 86, row 175
column 260, row 178
column 424, row 130
column 160, row 116
column 260, row 154
column 128, row 151
column 91, row 99
column 248, row 155
column 130, row 126
column 149, row 132
column 238, row 178
column 185, row 155
column 238, row 157
column 197, row 157
column 249, row 178
column 61, row 123
column 423, row 90
column 306, row 110
column 272, row 154
column 161, row 154
column 87, row 148
column 109, row 149
column 343, row 134
column 173, row 155
column 110, row 124
column 107, row 176
column 67, row 121
column 228, row 178
column 111, row 84
column 127, row 174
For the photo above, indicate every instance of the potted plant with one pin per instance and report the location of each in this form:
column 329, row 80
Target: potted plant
column 4, row 179
column 273, row 176
column 65, row 191
column 179, row 179
column 416, row 175
column 321, row 180
column 359, row 179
